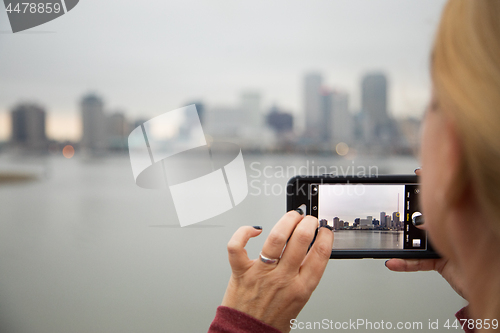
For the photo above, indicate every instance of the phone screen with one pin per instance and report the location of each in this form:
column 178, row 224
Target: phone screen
column 370, row 216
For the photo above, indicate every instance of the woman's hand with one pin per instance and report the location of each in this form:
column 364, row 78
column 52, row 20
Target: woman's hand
column 275, row 293
column 443, row 266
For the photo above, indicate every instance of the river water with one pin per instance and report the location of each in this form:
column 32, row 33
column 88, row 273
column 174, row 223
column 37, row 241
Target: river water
column 83, row 249
column 368, row 239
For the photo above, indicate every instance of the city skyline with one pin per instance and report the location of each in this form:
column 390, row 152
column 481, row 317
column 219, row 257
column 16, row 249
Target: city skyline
column 388, row 221
column 333, row 121
column 352, row 201
column 72, row 128
column 217, row 62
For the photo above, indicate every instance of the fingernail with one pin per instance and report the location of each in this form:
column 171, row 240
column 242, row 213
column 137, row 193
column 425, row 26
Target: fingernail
column 327, row 226
column 386, row 263
column 258, row 227
column 415, row 171
column 300, row 211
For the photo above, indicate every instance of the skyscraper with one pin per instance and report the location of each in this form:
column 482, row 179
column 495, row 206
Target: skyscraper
column 377, row 127
column 279, row 121
column 366, row 223
column 336, row 222
column 389, row 222
column 94, row 124
column 251, row 128
column 223, row 123
column 117, row 130
column 395, row 220
column 341, row 125
column 324, row 127
column 313, row 104
column 382, row 219
column 28, row 126
column 251, row 109
column 374, row 95
column 200, row 108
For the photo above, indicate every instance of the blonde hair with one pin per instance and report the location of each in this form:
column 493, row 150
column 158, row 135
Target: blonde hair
column 466, row 73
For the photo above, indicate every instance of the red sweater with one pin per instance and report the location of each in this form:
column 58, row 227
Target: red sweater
column 228, row 320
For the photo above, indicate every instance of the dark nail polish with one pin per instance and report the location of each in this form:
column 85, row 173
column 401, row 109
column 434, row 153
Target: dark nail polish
column 258, row 227
column 386, row 263
column 298, row 210
column 415, row 171
column 329, row 227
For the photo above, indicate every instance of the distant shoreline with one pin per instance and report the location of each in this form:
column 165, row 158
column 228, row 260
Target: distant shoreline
column 16, row 177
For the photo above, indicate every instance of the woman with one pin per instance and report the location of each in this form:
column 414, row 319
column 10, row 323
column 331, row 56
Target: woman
column 460, row 182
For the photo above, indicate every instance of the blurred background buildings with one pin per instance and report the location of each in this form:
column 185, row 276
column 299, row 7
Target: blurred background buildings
column 28, row 127
column 327, row 117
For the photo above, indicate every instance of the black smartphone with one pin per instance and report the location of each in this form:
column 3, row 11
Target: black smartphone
column 372, row 217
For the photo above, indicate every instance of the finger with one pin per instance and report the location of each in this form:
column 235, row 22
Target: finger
column 276, row 241
column 238, row 257
column 412, row 265
column 316, row 260
column 418, row 172
column 296, row 248
column 422, row 226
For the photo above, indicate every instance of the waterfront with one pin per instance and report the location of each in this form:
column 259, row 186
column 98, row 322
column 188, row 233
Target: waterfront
column 368, row 239
column 83, row 249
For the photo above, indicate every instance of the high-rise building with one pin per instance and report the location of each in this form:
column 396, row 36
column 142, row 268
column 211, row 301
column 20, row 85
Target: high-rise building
column 189, row 125
column 117, row 131
column 138, row 122
column 368, row 222
column 341, row 124
column 374, row 95
column 388, row 222
column 94, row 124
column 382, row 220
column 223, row 123
column 242, row 124
column 324, row 127
column 336, row 124
column 252, row 127
column 200, row 108
column 336, row 222
column 28, row 126
column 250, row 108
column 378, row 127
column 313, row 105
column 281, row 122
column 395, row 220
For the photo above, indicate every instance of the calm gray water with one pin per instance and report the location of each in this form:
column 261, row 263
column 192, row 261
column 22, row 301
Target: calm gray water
column 368, row 239
column 85, row 250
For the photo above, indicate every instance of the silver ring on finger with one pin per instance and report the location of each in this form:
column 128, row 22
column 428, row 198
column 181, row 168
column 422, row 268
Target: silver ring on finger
column 267, row 260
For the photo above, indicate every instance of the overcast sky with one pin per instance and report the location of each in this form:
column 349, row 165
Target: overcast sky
column 348, row 202
column 148, row 57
